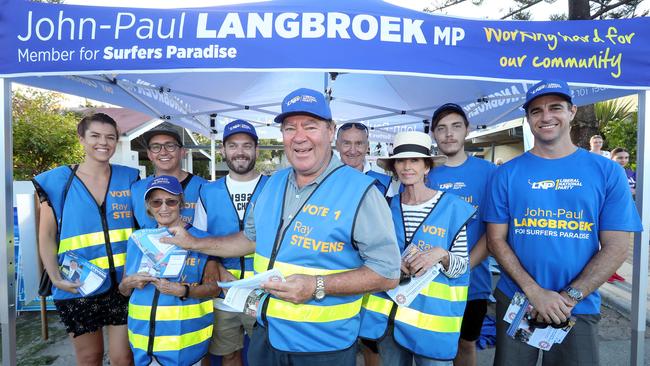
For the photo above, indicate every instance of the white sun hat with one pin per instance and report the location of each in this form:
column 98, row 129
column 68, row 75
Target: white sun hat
column 411, row 144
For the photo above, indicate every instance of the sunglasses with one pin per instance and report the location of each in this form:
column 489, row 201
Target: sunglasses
column 357, row 125
column 169, row 202
column 169, row 147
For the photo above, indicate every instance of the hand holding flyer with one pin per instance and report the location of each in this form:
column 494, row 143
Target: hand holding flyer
column 78, row 270
column 159, row 259
column 246, row 295
column 409, row 287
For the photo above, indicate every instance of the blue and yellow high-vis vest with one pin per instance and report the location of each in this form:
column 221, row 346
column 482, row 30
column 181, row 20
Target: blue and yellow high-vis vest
column 430, row 326
column 191, row 188
column 222, row 219
column 382, row 181
column 93, row 232
column 317, row 241
column 164, row 327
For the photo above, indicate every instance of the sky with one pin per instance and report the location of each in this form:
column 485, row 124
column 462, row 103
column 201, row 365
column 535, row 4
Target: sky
column 489, row 9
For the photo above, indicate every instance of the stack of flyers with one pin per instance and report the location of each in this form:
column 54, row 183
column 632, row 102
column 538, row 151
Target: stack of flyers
column 409, row 287
column 78, row 270
column 246, row 295
column 523, row 329
column 159, row 259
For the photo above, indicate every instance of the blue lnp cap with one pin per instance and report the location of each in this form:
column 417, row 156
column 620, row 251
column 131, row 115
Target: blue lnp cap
column 239, row 126
column 305, row 101
column 546, row 87
column 166, row 183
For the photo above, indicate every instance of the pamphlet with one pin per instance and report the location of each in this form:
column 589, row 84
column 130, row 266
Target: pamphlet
column 79, row 270
column 159, row 259
column 245, row 295
column 409, row 287
column 523, row 330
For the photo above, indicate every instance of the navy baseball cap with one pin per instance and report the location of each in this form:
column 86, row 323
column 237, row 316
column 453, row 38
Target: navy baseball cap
column 166, row 183
column 305, row 101
column 239, row 126
column 546, row 87
column 162, row 130
column 451, row 107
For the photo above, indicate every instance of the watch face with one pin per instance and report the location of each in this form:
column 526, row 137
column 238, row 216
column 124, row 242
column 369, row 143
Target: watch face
column 319, row 295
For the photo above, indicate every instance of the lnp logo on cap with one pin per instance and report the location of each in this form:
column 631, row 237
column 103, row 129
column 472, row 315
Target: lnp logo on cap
column 546, row 86
column 301, row 98
column 161, row 180
column 240, row 125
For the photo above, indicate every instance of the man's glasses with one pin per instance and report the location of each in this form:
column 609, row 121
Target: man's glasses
column 357, row 125
column 169, row 202
column 169, row 147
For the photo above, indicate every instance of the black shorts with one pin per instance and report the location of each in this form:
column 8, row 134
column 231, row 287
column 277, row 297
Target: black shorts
column 89, row 314
column 475, row 311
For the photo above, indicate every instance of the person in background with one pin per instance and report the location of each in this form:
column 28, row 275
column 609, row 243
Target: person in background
column 560, row 262
column 86, row 210
column 352, row 145
column 469, row 178
column 222, row 210
column 596, row 144
column 165, row 151
column 431, row 231
column 170, row 320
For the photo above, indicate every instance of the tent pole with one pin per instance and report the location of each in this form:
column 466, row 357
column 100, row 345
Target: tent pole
column 640, row 262
column 7, row 260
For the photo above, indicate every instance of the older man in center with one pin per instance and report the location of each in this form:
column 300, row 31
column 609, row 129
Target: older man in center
column 319, row 223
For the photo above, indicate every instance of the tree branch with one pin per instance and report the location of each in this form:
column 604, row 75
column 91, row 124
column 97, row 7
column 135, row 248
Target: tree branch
column 607, row 8
column 518, row 10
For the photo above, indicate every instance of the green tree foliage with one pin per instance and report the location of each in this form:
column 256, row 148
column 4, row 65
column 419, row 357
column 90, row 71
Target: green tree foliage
column 44, row 136
column 618, row 124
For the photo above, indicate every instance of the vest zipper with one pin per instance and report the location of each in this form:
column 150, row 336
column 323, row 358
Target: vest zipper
column 152, row 322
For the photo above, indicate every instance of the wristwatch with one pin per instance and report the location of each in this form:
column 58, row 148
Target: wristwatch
column 187, row 293
column 319, row 293
column 575, row 294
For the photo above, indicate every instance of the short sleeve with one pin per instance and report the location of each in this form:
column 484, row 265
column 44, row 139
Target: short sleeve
column 249, row 225
column 619, row 212
column 496, row 204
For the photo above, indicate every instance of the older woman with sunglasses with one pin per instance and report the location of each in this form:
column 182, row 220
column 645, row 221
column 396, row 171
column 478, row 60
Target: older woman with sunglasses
column 433, row 222
column 170, row 320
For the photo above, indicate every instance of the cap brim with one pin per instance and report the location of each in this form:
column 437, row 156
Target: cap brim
column 151, row 133
column 146, row 193
column 253, row 136
column 280, row 117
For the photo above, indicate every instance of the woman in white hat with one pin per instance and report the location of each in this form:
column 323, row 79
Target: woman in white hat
column 430, row 228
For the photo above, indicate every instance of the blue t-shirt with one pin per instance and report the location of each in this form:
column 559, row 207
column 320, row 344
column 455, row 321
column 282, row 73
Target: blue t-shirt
column 469, row 181
column 555, row 209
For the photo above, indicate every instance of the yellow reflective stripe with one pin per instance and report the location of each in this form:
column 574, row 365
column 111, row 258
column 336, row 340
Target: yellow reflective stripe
column 435, row 323
column 237, row 273
column 378, row 304
column 91, row 239
column 261, row 263
column 102, row 262
column 445, row 292
column 312, row 313
column 166, row 313
column 171, row 343
column 252, row 255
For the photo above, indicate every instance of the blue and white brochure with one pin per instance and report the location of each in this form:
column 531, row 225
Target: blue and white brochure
column 79, row 270
column 410, row 287
column 159, row 259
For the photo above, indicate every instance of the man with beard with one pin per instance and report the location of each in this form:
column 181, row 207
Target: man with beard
column 165, row 151
column 222, row 210
column 467, row 177
column 352, row 145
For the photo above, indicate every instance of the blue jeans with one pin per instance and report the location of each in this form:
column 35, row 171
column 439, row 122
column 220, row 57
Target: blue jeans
column 393, row 354
column 261, row 353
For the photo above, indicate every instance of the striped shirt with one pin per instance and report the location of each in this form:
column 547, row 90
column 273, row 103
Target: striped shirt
column 414, row 215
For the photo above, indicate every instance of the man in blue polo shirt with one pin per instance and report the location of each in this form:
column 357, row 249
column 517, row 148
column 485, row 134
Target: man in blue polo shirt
column 558, row 220
column 467, row 177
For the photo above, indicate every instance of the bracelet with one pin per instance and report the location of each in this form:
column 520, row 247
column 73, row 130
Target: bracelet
column 187, row 293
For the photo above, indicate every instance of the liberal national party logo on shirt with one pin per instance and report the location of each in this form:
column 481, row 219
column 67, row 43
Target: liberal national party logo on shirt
column 560, row 184
column 451, row 186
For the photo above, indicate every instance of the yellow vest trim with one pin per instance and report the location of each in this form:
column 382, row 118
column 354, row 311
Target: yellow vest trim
column 237, row 273
column 377, row 304
column 171, row 313
column 252, row 255
column 312, row 313
column 435, row 323
column 261, row 263
column 92, row 239
column 171, row 343
column 102, row 262
column 441, row 291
